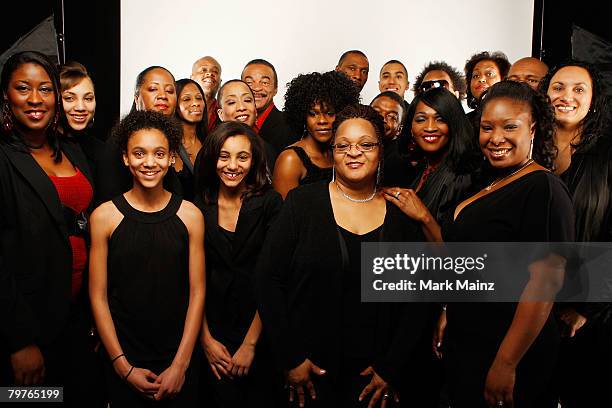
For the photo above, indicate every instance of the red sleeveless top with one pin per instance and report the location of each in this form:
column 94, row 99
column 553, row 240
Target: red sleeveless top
column 76, row 193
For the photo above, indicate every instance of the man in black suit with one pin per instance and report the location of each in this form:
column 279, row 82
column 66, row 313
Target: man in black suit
column 261, row 77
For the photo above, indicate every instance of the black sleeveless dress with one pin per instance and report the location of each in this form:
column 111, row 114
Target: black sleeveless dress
column 314, row 173
column 148, row 281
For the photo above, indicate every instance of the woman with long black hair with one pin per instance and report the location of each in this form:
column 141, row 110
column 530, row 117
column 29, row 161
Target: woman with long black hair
column 46, row 191
column 584, row 163
column 239, row 207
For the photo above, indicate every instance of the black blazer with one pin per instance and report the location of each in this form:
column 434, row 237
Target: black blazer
column 299, row 282
column 230, row 267
column 275, row 131
column 35, row 253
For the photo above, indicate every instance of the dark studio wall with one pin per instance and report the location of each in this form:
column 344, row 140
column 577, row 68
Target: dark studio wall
column 556, row 26
column 91, row 37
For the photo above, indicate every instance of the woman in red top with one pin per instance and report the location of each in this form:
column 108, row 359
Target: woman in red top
column 45, row 189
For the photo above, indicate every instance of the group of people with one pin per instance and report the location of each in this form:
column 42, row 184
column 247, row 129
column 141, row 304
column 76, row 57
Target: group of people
column 209, row 252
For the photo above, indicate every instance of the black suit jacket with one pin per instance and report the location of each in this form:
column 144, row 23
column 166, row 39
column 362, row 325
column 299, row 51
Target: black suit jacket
column 230, row 267
column 35, row 253
column 299, row 287
column 275, row 131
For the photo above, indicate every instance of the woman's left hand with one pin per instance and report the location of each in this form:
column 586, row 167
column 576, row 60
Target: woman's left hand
column 242, row 360
column 171, row 380
column 382, row 390
column 408, row 201
column 499, row 386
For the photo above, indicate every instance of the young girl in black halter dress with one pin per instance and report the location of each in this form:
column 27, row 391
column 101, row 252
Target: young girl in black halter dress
column 147, row 274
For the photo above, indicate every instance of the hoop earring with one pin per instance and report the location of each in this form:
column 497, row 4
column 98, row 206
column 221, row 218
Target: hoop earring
column 378, row 175
column 530, row 150
column 7, row 118
column 333, row 173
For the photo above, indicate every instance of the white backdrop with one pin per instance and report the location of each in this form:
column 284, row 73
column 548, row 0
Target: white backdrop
column 304, row 36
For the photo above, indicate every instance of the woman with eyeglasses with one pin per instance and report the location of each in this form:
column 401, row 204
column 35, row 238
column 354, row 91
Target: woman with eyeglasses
column 311, row 103
column 336, row 350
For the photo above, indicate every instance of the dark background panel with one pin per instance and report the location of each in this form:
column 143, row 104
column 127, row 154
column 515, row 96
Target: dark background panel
column 91, row 36
column 559, row 15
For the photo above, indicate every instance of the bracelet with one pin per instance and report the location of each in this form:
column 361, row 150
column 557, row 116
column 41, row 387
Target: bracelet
column 128, row 374
column 444, row 307
column 117, row 358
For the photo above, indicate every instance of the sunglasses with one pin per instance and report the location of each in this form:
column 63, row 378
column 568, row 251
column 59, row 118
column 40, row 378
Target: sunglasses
column 438, row 83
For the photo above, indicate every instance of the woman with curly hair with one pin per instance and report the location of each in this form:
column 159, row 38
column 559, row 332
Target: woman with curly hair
column 147, row 273
column 584, row 163
column 311, row 103
column 504, row 354
column 483, row 70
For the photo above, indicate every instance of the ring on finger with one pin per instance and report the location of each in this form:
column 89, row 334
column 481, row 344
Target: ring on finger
column 500, row 403
column 386, row 395
column 397, row 194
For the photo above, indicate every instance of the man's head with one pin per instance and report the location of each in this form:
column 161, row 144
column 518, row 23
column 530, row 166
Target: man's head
column 391, row 107
column 261, row 77
column 207, row 73
column 355, row 65
column 394, row 78
column 529, row 70
column 439, row 73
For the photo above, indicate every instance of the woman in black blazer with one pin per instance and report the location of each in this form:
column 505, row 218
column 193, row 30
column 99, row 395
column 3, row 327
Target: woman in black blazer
column 239, row 206
column 43, row 319
column 335, row 350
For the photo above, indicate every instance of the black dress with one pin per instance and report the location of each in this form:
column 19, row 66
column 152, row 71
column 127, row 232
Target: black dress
column 589, row 353
column 533, row 208
column 310, row 302
column 314, row 173
column 230, row 299
column 148, row 293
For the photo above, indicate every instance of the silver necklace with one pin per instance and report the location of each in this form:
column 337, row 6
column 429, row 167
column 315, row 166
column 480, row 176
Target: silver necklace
column 495, row 182
column 356, row 200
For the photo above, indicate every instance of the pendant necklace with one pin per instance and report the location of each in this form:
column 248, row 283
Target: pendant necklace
column 356, row 200
column 495, row 182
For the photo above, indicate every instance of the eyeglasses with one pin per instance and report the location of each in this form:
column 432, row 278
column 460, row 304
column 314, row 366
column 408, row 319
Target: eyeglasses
column 438, row 83
column 362, row 147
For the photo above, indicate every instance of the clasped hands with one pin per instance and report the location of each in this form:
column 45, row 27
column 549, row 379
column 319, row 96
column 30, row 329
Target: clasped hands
column 222, row 363
column 152, row 386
